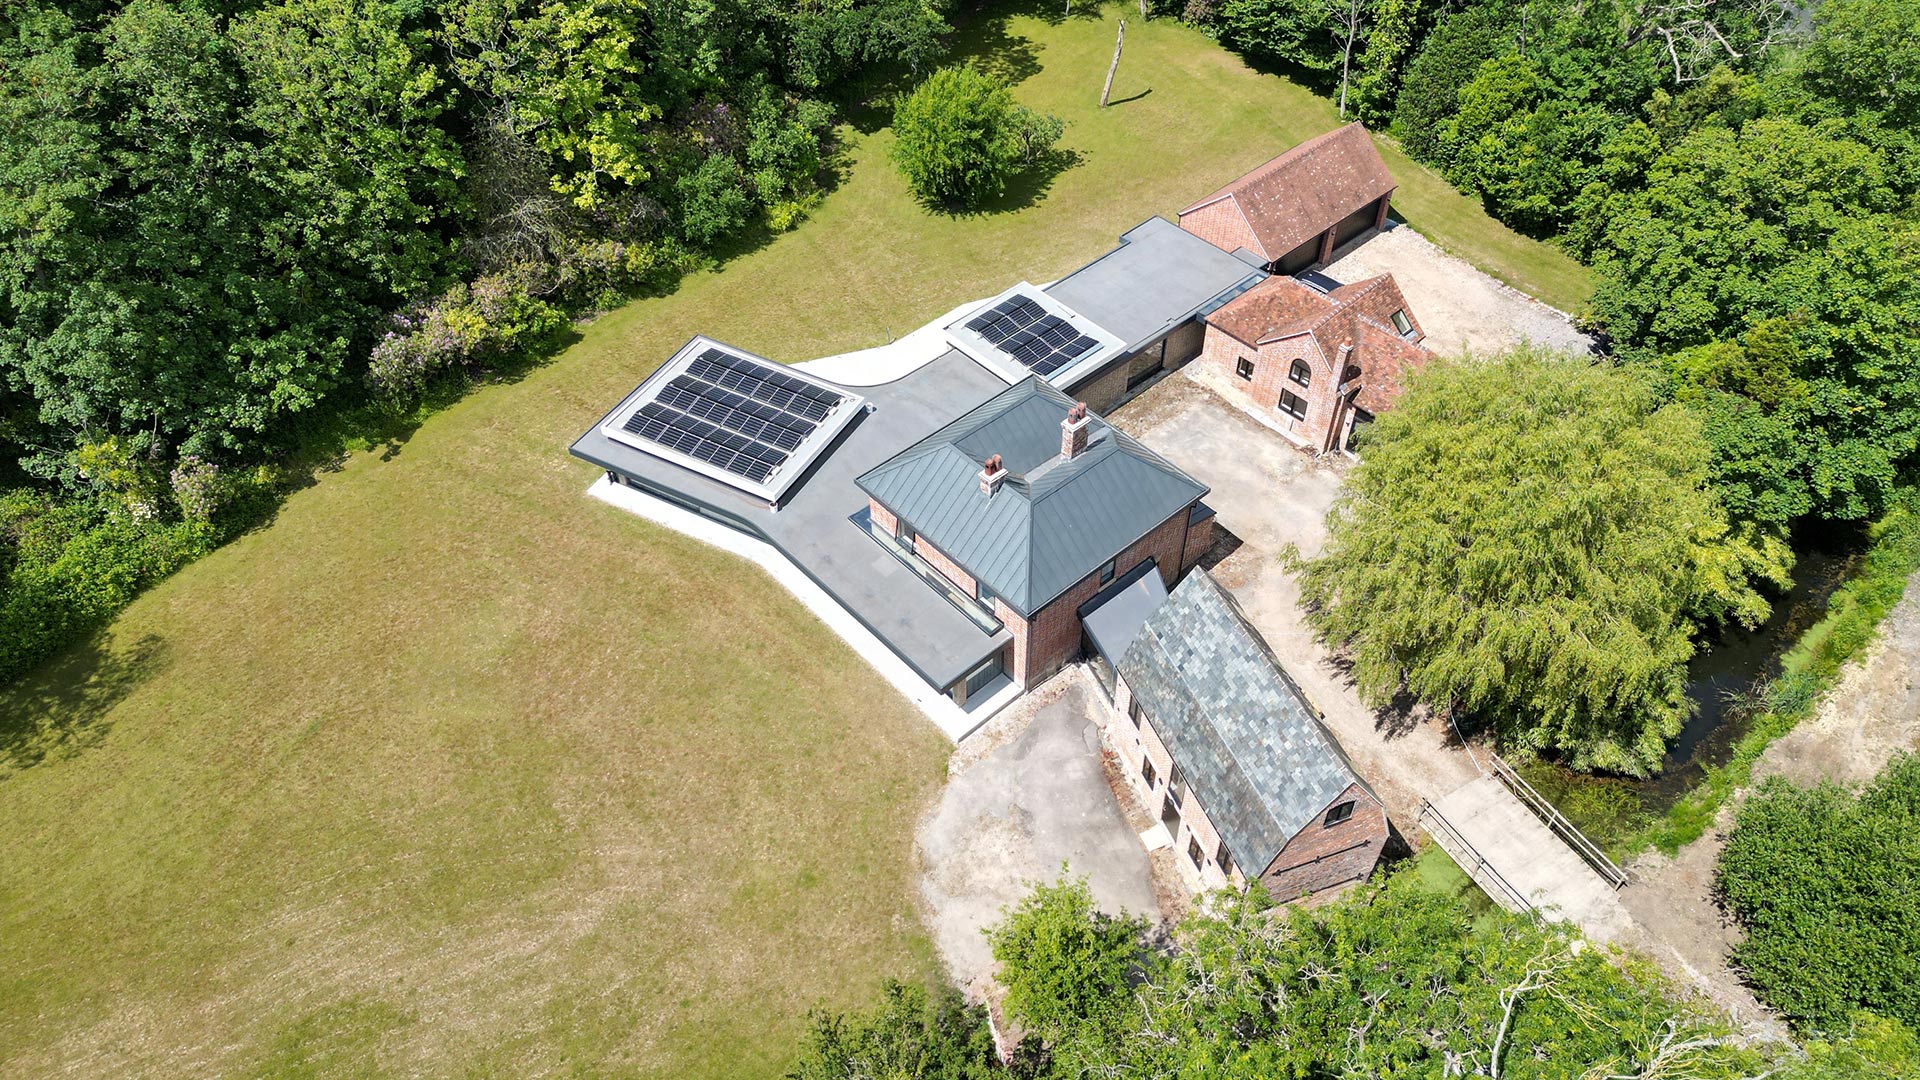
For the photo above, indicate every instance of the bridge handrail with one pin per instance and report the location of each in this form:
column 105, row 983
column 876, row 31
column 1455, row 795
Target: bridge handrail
column 1430, row 815
column 1608, row 870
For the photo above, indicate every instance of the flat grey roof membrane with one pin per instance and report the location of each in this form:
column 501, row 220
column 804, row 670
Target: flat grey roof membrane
column 814, row 525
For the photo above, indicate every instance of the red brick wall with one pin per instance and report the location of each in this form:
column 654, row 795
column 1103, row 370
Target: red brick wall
column 1199, row 539
column 1271, row 365
column 883, row 517
column 1053, row 634
column 1044, row 644
column 1135, row 744
column 1221, row 224
column 947, row 567
column 1320, row 857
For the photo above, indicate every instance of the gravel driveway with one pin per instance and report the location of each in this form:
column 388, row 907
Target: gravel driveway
column 1025, row 795
column 1458, row 306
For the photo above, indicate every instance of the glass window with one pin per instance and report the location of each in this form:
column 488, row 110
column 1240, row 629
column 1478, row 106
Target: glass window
column 1174, row 783
column 1339, row 813
column 1223, row 858
column 1402, row 323
column 1300, row 373
column 1106, row 572
column 1293, row 405
column 1147, row 773
column 1193, row 852
column 1134, row 710
column 1244, row 367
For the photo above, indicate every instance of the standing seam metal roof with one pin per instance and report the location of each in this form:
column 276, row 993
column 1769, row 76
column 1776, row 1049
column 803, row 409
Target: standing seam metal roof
column 1053, row 521
column 1246, row 740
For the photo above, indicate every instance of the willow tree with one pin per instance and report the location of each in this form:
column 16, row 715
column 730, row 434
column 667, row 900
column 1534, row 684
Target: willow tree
column 1532, row 540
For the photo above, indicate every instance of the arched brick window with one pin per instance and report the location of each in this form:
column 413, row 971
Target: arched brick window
column 1300, row 373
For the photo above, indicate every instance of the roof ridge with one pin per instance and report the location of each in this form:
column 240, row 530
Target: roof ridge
column 1271, row 165
column 1260, row 642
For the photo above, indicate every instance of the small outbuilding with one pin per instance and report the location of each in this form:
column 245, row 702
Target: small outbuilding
column 1293, row 211
column 1232, row 758
column 1317, row 359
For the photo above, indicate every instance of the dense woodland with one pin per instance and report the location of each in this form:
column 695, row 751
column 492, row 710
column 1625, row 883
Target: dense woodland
column 1393, row 980
column 224, row 222
column 1741, row 175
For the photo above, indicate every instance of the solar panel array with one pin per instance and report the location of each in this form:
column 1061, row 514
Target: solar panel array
column 734, row 414
column 1031, row 335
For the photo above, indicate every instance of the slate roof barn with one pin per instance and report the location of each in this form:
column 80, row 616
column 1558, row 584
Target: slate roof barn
column 1251, row 747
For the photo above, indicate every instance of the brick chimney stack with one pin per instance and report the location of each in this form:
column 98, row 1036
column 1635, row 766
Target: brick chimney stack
column 992, row 475
column 1073, row 431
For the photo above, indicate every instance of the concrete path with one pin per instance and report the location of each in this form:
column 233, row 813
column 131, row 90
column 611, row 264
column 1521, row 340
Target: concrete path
column 1026, row 795
column 1510, row 851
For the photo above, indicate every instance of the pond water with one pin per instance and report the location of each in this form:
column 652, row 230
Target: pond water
column 1731, row 663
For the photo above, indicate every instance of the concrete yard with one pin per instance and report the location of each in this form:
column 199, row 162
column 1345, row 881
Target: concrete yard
column 1026, row 795
column 1458, row 306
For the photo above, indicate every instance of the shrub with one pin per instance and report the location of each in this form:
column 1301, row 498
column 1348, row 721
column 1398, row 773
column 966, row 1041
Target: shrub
column 1824, row 884
column 67, row 583
column 908, row 1034
column 493, row 318
column 1063, row 961
column 960, row 137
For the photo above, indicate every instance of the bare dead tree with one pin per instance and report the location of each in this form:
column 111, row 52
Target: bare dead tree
column 1118, row 43
column 1349, row 18
column 1692, row 35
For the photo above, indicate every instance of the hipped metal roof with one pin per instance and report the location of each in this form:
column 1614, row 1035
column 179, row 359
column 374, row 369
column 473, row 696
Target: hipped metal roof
column 1054, row 520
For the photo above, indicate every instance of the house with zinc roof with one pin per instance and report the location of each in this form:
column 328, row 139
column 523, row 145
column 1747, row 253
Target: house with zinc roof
column 1228, row 753
column 1027, row 507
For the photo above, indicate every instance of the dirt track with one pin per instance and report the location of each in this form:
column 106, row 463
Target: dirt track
column 1871, row 715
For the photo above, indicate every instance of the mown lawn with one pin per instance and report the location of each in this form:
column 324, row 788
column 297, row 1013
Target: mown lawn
column 451, row 771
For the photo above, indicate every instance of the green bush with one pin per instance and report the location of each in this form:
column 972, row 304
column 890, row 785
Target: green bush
column 1064, row 962
column 1824, row 883
column 960, row 137
column 66, row 581
column 907, row 1035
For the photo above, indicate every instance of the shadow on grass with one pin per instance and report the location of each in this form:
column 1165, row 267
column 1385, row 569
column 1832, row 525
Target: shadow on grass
column 1027, row 188
column 1130, row 97
column 61, row 709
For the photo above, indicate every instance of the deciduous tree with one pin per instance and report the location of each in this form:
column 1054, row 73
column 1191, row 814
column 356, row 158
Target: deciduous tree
column 1532, row 539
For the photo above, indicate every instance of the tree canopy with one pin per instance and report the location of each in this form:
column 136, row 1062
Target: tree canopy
column 1823, row 881
column 1532, row 539
column 960, row 136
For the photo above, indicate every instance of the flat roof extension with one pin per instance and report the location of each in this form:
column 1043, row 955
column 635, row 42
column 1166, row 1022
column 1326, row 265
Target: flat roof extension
column 813, row 526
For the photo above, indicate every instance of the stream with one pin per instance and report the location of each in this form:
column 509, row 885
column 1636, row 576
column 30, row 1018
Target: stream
column 1729, row 665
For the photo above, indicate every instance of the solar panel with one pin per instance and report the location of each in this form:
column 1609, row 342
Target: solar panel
column 1024, row 331
column 737, row 415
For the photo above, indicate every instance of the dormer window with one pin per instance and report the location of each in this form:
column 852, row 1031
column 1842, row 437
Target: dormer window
column 1402, row 323
column 1300, row 373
